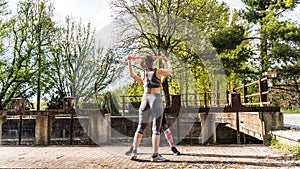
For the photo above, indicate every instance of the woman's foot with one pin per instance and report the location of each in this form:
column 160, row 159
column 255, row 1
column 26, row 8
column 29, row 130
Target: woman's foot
column 175, row 151
column 158, row 158
column 133, row 155
column 129, row 151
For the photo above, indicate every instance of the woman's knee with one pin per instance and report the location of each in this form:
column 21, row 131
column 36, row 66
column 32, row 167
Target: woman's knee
column 156, row 129
column 156, row 132
column 139, row 134
column 141, row 128
column 164, row 127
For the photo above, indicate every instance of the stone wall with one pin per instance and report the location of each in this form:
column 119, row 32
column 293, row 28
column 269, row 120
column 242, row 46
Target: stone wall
column 121, row 128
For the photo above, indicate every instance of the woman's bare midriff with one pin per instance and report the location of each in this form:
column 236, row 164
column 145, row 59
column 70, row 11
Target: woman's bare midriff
column 151, row 90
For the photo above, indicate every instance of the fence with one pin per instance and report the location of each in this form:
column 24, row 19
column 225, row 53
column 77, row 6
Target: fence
column 74, row 128
column 21, row 126
column 257, row 93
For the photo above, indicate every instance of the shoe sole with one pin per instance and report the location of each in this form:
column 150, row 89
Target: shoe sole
column 176, row 154
column 154, row 160
column 133, row 158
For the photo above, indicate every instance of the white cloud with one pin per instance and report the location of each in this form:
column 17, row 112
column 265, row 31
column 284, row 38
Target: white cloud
column 98, row 11
column 95, row 11
column 237, row 4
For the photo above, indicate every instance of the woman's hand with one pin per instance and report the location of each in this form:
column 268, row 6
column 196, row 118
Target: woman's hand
column 129, row 57
column 164, row 58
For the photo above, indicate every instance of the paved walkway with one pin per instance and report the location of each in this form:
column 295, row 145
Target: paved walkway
column 221, row 156
column 291, row 120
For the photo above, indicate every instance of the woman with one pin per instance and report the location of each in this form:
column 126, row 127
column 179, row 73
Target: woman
column 166, row 130
column 151, row 80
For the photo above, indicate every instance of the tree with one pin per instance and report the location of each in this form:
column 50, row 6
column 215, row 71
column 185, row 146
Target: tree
column 44, row 31
column 3, row 7
column 3, row 28
column 233, row 46
column 25, row 36
column 265, row 13
column 3, row 61
column 278, row 47
column 78, row 64
column 31, row 30
column 173, row 27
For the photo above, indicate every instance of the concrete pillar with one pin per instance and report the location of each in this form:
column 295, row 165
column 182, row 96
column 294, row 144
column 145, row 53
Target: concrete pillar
column 235, row 100
column 99, row 128
column 43, row 125
column 69, row 104
column 18, row 104
column 272, row 121
column 108, row 128
column 2, row 120
column 208, row 129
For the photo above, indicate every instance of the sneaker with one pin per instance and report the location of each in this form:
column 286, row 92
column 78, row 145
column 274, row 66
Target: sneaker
column 175, row 151
column 133, row 155
column 158, row 158
column 129, row 151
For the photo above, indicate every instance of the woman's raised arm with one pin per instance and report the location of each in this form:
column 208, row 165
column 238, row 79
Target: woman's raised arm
column 133, row 75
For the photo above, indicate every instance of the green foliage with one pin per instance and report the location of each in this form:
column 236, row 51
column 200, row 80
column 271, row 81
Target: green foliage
column 109, row 102
column 61, row 60
column 24, row 61
column 267, row 14
column 271, row 141
column 175, row 28
column 297, row 154
column 290, row 111
column 134, row 91
column 257, row 9
column 233, row 47
column 56, row 101
column 174, row 85
column 45, row 59
column 79, row 66
column 228, row 38
column 278, row 47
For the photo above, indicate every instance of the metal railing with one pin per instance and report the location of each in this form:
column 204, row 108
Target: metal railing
column 258, row 97
column 256, row 93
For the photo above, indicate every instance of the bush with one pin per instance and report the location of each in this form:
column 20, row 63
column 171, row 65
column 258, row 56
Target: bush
column 271, row 141
column 109, row 102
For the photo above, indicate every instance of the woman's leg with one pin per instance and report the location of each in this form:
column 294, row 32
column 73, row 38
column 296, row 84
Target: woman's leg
column 137, row 140
column 157, row 111
column 156, row 128
column 168, row 135
column 138, row 136
column 155, row 143
column 143, row 118
column 167, row 132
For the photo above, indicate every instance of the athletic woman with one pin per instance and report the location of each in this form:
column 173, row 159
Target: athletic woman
column 151, row 80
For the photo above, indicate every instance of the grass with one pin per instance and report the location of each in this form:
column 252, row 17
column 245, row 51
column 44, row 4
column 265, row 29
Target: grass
column 288, row 150
column 271, row 141
column 290, row 111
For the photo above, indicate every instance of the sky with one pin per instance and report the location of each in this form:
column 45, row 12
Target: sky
column 95, row 11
